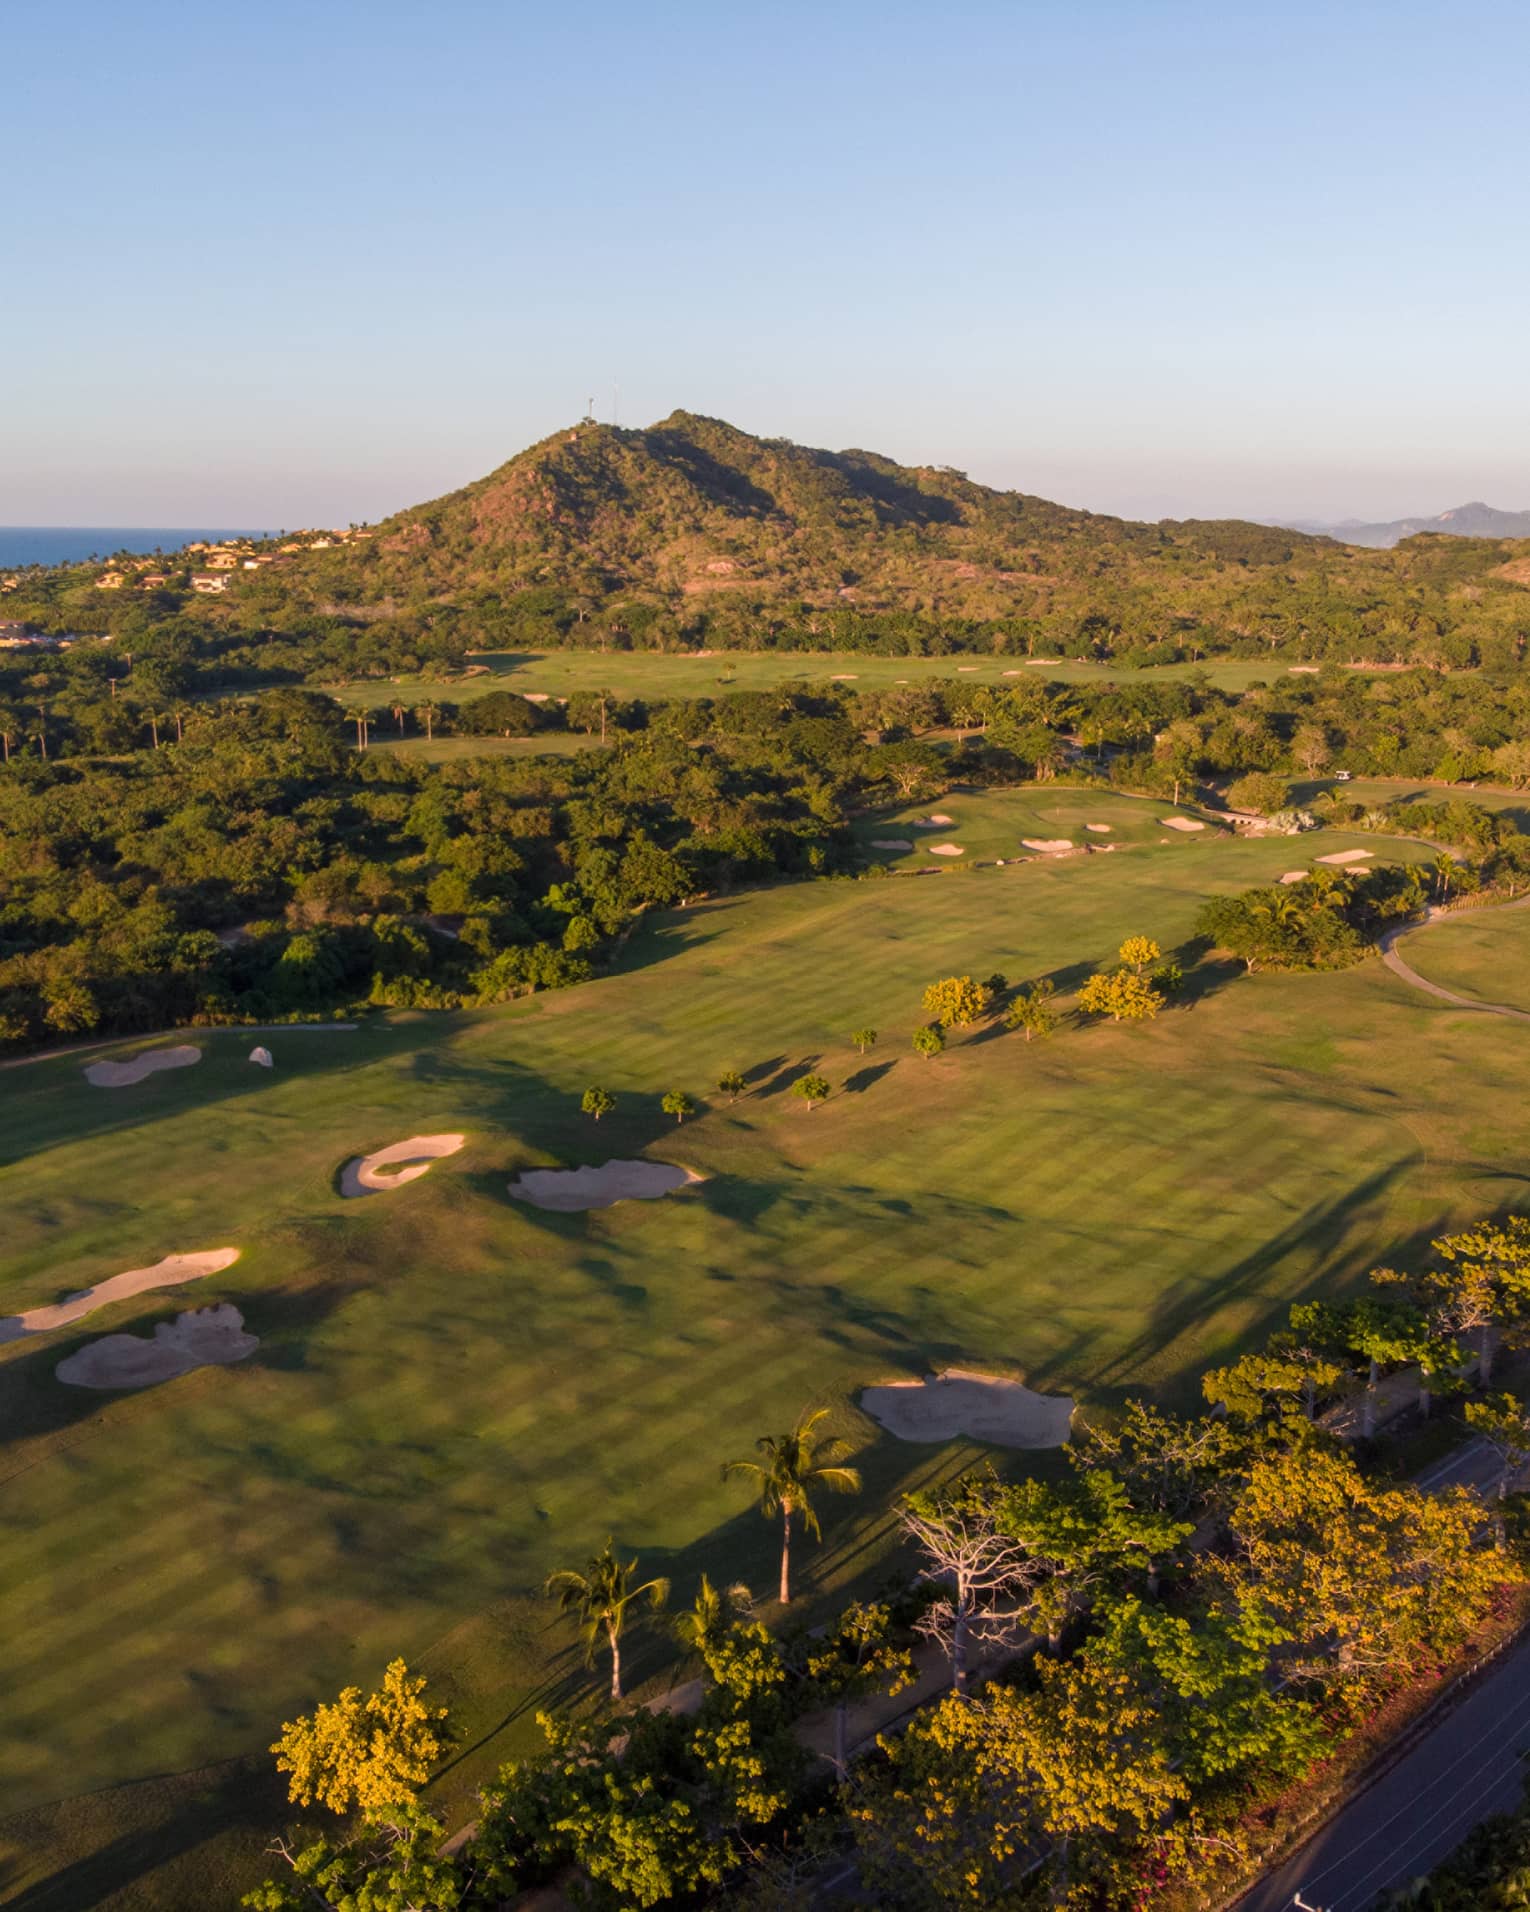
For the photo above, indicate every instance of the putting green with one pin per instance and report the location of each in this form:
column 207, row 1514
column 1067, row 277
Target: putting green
column 455, row 1392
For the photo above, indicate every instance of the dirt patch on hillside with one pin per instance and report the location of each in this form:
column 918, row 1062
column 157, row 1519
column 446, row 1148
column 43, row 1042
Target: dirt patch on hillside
column 169, row 1273
column 983, row 1407
column 121, row 1075
column 201, row 1338
column 569, row 1191
column 392, row 1167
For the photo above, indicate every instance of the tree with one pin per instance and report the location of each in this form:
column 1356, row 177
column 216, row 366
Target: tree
column 793, row 1468
column 428, row 713
column 1480, row 1284
column 1357, row 1576
column 599, row 1598
column 1032, row 1009
column 982, row 1572
column 711, row 1616
column 373, row 1754
column 813, row 1089
column 678, row 1104
column 957, row 1001
column 1137, row 952
column 864, row 1039
column 1122, row 996
column 1310, row 748
column 929, row 1041
column 69, row 1007
column 1504, row 1423
column 1261, row 791
column 730, row 1084
column 598, row 1102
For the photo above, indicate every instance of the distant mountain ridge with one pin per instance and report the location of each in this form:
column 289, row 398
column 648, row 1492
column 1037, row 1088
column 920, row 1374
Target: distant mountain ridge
column 1475, row 520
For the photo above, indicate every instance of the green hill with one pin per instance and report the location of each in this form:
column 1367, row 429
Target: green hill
column 692, row 534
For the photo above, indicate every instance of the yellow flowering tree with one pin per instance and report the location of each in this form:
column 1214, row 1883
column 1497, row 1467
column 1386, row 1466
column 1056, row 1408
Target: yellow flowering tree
column 373, row 1754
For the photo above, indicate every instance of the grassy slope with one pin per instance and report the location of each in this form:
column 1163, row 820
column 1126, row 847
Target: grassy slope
column 455, row 1393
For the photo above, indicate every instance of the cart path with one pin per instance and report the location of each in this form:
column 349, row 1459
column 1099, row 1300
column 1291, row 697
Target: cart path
column 1401, row 968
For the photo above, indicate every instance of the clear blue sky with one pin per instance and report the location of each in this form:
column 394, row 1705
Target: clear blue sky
column 289, row 263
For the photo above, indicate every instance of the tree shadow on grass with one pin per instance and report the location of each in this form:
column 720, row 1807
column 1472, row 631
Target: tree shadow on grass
column 35, row 1405
column 867, row 1078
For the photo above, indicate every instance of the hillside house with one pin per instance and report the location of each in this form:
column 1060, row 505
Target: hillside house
column 222, row 560
column 109, row 581
column 151, row 580
column 209, row 583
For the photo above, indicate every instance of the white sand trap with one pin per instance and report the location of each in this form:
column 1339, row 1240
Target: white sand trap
column 844, row 677
column 957, row 1402
column 537, row 696
column 200, row 1338
column 1100, row 829
column 169, row 1273
column 937, row 820
column 891, row 843
column 260, row 1055
column 121, row 1075
column 392, row 1167
column 1294, row 876
column 567, row 1191
column 1019, row 673
column 1347, row 856
column 1182, row 823
column 1302, row 670
column 1048, row 846
column 945, row 849
column 962, row 669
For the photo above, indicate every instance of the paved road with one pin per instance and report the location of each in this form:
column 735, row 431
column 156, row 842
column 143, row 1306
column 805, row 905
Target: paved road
column 1469, row 1767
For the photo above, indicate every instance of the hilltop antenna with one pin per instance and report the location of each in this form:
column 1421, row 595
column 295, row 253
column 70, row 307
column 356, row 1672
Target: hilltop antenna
column 589, row 411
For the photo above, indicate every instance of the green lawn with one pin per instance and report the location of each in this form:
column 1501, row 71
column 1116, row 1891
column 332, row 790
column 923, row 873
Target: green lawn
column 657, row 674
column 1480, row 953
column 455, row 1393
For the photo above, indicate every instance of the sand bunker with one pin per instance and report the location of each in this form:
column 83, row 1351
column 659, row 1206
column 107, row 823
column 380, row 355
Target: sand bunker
column 1302, row 670
column 936, row 820
column 568, row 1191
column 1294, row 876
column 1048, row 846
column 945, row 849
column 1347, row 856
column 201, row 1338
column 260, row 1055
column 962, row 669
column 891, row 843
column 844, row 677
column 169, row 1273
column 1182, row 823
column 1100, row 829
column 120, row 1075
column 392, row 1167
column 981, row 1406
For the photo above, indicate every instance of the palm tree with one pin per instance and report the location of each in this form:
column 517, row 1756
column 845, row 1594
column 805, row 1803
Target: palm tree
column 794, row 1466
column 600, row 1597
column 427, row 714
column 705, row 1624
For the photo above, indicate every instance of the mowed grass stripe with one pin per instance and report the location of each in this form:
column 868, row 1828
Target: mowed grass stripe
column 455, row 1394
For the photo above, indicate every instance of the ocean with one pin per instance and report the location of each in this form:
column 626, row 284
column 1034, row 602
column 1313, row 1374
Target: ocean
column 72, row 544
